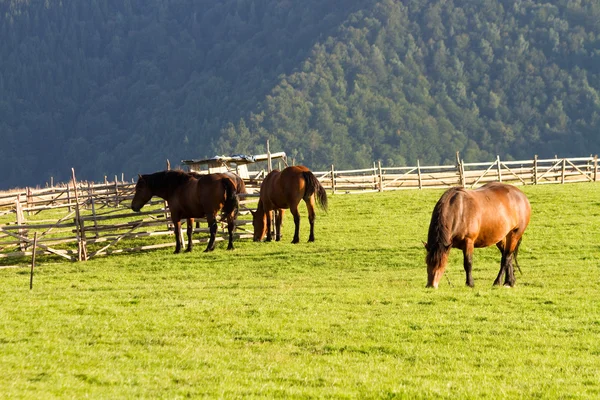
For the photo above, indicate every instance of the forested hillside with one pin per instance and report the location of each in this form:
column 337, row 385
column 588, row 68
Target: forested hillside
column 119, row 86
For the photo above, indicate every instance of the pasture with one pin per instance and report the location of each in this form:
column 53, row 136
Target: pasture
column 347, row 316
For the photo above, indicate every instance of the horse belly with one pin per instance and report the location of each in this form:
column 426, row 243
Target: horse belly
column 491, row 234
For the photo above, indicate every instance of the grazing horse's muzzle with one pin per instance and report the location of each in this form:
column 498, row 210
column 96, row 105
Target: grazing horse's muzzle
column 136, row 208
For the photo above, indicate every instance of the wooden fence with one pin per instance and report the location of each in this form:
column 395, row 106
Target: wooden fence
column 470, row 175
column 96, row 218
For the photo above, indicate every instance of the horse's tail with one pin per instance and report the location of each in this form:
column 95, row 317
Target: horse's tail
column 439, row 237
column 231, row 205
column 313, row 186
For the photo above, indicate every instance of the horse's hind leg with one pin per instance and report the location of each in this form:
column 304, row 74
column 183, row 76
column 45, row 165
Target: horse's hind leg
column 310, row 206
column 269, row 226
column 212, row 224
column 468, row 261
column 296, row 214
column 508, row 247
column 500, row 276
column 230, row 228
column 278, row 222
column 190, row 232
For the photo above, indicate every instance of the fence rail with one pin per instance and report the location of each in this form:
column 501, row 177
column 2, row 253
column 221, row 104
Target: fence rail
column 96, row 217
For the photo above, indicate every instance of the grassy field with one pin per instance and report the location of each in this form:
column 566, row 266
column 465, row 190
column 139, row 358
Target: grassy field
column 345, row 317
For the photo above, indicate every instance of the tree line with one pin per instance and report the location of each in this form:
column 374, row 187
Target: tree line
column 110, row 87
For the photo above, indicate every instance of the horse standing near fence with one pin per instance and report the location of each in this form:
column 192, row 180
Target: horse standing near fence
column 495, row 213
column 285, row 189
column 190, row 197
column 240, row 185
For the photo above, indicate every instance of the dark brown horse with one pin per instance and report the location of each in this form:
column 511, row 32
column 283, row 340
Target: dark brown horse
column 495, row 213
column 240, row 185
column 191, row 197
column 285, row 189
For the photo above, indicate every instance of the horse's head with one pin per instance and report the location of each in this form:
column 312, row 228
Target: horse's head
column 436, row 259
column 259, row 222
column 143, row 194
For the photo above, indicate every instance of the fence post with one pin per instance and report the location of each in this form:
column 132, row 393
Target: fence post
column 564, row 167
column 269, row 167
column 116, row 192
column 332, row 179
column 79, row 229
column 93, row 203
column 20, row 221
column 419, row 174
column 374, row 176
column 69, row 196
column 32, row 260
column 499, row 169
column 380, row 176
column 29, row 199
column 535, row 169
column 460, row 170
column 596, row 168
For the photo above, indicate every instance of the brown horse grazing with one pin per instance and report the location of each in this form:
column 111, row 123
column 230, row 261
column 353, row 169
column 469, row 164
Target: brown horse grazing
column 240, row 185
column 190, row 197
column 285, row 189
column 495, row 213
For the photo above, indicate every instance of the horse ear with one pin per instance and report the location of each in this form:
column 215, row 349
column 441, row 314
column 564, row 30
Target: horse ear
column 426, row 247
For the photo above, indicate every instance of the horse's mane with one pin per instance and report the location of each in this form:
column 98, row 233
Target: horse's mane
column 167, row 180
column 439, row 237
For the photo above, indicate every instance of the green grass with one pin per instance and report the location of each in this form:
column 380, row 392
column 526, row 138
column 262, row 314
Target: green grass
column 345, row 317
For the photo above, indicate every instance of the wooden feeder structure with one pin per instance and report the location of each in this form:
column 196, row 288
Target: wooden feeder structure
column 235, row 163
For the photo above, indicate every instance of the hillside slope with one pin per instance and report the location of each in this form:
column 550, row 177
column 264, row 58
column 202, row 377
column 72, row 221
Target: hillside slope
column 110, row 87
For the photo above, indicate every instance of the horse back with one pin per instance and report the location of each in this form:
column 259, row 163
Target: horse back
column 283, row 189
column 500, row 209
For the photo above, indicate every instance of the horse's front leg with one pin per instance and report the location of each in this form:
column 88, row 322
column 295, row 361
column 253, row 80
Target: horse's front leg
column 177, row 228
column 212, row 225
column 230, row 229
column 269, row 230
column 468, row 261
column 190, row 232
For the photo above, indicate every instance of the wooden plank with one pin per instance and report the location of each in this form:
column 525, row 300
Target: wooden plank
column 48, row 249
column 118, row 239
